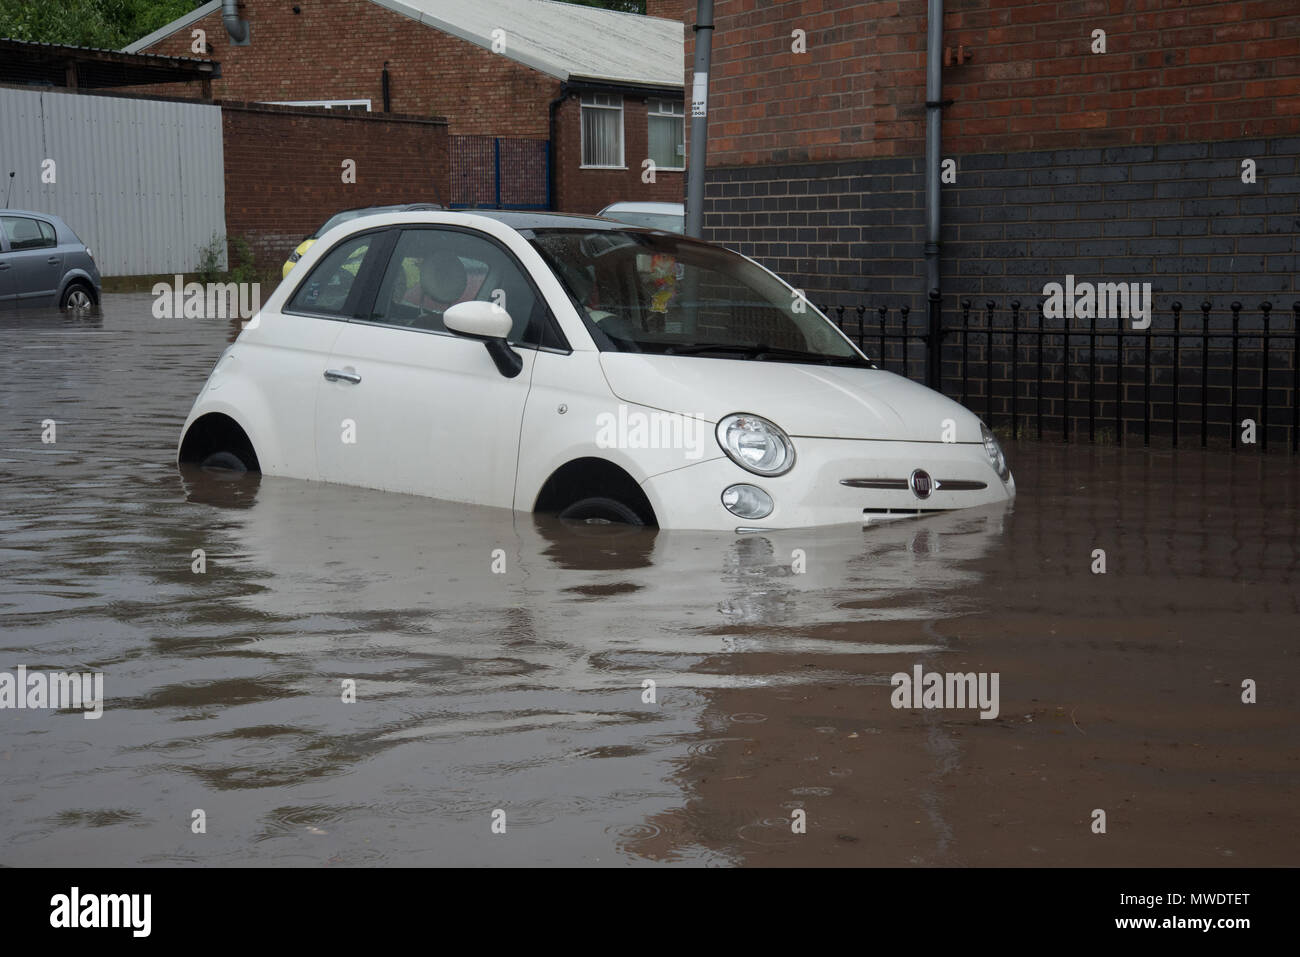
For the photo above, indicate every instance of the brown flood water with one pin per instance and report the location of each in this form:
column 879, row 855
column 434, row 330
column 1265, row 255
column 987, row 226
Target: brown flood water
column 523, row 691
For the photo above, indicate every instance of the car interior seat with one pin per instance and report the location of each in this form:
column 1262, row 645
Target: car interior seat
column 442, row 280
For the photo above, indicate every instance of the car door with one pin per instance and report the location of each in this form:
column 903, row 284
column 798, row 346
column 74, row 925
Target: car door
column 35, row 261
column 411, row 407
column 287, row 351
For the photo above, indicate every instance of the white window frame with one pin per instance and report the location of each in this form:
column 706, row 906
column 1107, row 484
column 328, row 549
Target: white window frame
column 669, row 109
column 602, row 101
column 327, row 104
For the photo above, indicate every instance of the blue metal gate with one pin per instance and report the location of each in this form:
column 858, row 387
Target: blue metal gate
column 500, row 172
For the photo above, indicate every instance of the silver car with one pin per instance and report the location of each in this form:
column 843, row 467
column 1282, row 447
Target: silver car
column 670, row 217
column 43, row 263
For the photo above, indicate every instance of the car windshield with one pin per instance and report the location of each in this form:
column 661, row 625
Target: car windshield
column 669, row 295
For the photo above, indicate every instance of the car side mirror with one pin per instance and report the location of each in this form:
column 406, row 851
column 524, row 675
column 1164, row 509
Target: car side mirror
column 490, row 323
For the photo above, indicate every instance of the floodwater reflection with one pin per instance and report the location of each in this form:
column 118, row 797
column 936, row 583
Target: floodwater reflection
column 501, row 660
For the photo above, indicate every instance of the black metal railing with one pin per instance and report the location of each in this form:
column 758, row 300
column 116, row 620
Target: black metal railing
column 1224, row 376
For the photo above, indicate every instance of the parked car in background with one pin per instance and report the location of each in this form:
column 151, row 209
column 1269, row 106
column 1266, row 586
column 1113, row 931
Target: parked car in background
column 574, row 365
column 342, row 217
column 43, row 264
column 667, row 216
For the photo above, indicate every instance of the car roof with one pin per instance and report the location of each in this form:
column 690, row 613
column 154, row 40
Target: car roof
column 6, row 211
column 520, row 219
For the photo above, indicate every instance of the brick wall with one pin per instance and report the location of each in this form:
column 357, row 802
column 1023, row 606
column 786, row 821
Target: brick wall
column 1177, row 215
column 590, row 190
column 665, row 9
column 337, row 51
column 1117, row 166
column 284, row 172
column 1174, row 70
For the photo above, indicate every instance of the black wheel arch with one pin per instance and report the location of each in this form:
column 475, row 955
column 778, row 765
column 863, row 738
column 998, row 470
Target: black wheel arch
column 592, row 477
column 216, row 432
column 78, row 279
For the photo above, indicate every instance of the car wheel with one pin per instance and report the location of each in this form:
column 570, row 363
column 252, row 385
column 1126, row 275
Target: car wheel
column 228, row 461
column 76, row 298
column 601, row 511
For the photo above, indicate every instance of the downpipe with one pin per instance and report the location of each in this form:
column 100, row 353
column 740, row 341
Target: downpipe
column 933, row 127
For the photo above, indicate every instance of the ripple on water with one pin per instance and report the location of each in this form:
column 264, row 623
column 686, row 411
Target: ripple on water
column 769, row 832
column 629, row 835
column 709, row 749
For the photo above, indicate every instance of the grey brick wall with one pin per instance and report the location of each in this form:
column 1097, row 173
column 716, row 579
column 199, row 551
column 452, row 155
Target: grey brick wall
column 1177, row 215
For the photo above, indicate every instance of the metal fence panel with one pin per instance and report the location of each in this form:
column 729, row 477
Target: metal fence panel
column 1225, row 375
column 142, row 182
column 500, row 172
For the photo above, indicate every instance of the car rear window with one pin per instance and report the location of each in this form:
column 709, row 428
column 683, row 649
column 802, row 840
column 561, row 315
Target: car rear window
column 328, row 289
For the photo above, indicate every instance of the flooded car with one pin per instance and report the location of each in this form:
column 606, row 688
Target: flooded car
column 43, row 264
column 572, row 365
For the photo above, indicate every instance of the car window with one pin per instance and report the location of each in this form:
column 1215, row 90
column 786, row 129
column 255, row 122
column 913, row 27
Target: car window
column 431, row 270
column 24, row 233
column 658, row 293
column 47, row 233
column 329, row 286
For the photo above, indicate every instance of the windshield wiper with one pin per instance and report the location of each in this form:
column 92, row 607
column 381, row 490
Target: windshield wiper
column 694, row 348
column 762, row 352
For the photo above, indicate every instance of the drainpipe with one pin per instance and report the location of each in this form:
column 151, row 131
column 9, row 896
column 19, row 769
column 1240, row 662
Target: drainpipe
column 699, row 119
column 553, row 150
column 933, row 116
column 237, row 29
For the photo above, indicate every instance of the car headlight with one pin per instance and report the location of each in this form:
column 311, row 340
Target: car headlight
column 755, row 444
column 997, row 458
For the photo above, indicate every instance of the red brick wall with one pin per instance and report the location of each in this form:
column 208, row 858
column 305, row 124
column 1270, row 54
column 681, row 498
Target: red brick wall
column 590, row 190
column 337, row 50
column 1175, row 70
column 665, row 9
column 284, row 169
column 189, row 90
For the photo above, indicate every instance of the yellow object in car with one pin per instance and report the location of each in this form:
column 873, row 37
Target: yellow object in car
column 295, row 256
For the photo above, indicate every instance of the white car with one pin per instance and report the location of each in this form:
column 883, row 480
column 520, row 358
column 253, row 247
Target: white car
column 565, row 364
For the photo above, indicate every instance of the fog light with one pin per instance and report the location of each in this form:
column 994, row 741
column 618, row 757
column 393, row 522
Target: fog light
column 746, row 501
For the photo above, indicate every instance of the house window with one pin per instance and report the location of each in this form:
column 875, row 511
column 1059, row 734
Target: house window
column 602, row 130
column 667, row 128
column 358, row 106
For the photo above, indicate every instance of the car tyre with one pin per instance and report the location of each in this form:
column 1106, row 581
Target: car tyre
column 599, row 510
column 77, row 298
column 227, row 461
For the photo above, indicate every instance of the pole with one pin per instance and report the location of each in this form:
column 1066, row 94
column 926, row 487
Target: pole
column 933, row 117
column 699, row 119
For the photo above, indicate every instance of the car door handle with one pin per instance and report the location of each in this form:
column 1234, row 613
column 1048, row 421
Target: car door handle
column 53, row 260
column 338, row 375
column 4, row 265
